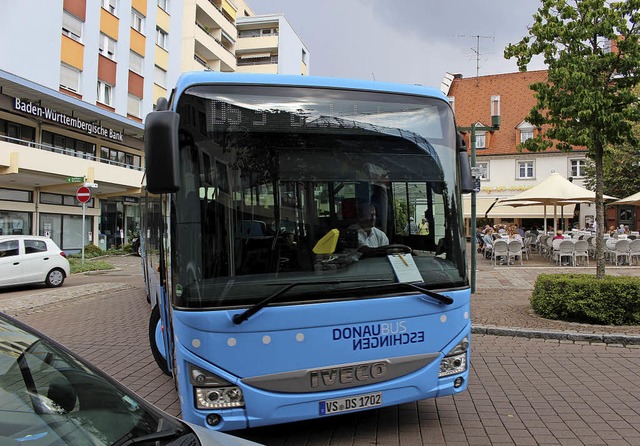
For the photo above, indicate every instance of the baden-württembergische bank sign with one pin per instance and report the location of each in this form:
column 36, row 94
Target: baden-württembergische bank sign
column 61, row 118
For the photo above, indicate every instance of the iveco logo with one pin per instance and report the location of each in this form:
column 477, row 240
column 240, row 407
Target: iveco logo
column 337, row 377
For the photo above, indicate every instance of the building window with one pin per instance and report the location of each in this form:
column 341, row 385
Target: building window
column 71, row 26
column 526, row 131
column 160, row 76
column 137, row 21
column 110, row 5
column 107, row 46
column 525, row 135
column 525, row 170
column 16, row 195
column 105, row 93
column 481, row 140
column 578, row 168
column 69, row 78
column 15, row 223
column 452, row 103
column 134, row 104
column 16, row 133
column 68, row 146
column 161, row 38
column 119, row 158
column 484, row 170
column 164, row 4
column 136, row 62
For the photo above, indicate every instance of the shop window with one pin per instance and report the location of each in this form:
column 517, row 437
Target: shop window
column 16, row 195
column 15, row 223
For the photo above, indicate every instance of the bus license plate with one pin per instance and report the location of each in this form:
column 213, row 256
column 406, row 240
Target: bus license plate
column 350, row 403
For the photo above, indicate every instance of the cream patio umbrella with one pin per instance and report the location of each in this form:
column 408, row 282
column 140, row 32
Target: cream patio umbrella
column 555, row 190
column 633, row 200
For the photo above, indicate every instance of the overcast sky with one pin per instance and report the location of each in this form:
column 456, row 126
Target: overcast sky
column 408, row 41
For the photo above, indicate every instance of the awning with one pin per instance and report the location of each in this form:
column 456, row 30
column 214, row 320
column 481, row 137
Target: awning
column 509, row 212
column 254, row 55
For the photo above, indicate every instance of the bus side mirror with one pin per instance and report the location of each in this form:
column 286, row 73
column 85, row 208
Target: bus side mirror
column 161, row 151
column 466, row 179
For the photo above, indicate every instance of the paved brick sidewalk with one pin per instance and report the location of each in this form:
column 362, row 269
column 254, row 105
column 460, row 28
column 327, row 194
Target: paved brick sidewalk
column 502, row 300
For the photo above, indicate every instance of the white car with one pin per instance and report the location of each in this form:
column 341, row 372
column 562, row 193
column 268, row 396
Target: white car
column 28, row 259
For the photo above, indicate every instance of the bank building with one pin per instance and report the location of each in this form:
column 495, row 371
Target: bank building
column 75, row 85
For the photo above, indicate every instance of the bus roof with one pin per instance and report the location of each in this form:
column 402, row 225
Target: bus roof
column 187, row 80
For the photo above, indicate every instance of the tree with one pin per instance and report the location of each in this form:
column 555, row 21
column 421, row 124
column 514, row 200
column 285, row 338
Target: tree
column 592, row 51
column 620, row 170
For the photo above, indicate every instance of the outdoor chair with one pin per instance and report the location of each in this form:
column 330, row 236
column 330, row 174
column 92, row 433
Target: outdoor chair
column 530, row 244
column 565, row 251
column 591, row 240
column 515, row 249
column 621, row 250
column 500, row 250
column 610, row 249
column 581, row 251
column 634, row 250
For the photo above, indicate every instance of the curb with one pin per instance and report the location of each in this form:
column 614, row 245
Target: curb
column 573, row 336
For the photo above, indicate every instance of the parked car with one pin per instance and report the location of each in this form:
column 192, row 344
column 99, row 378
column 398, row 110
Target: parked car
column 49, row 396
column 31, row 259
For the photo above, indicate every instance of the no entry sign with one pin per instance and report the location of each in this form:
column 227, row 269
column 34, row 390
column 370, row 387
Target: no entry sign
column 83, row 194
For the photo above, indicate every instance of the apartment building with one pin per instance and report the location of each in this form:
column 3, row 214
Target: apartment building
column 268, row 44
column 75, row 85
column 506, row 171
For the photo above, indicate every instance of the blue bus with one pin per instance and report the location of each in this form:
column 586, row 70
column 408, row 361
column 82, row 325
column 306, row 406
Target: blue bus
column 271, row 302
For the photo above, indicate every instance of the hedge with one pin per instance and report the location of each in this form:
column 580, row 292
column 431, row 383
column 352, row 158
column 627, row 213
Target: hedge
column 613, row 300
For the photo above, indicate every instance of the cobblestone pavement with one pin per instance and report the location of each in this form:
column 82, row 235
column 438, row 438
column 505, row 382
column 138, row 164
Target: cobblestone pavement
column 502, row 295
column 522, row 390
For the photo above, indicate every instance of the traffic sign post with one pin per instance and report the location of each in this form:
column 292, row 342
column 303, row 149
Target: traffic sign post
column 83, row 195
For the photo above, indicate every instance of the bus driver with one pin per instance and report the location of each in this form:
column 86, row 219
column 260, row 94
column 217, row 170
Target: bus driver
column 368, row 235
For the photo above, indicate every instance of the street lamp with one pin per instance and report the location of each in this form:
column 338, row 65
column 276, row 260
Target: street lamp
column 495, row 125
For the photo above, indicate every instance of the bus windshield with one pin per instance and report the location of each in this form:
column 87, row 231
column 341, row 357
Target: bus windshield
column 317, row 187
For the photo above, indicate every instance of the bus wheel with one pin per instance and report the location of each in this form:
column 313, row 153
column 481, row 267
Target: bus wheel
column 154, row 320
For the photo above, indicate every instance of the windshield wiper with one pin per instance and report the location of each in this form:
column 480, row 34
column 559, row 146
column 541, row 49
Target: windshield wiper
column 241, row 317
column 155, row 436
column 419, row 287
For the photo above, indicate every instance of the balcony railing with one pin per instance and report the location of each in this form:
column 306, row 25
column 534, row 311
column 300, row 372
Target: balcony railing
column 218, row 41
column 202, row 62
column 68, row 152
column 258, row 61
column 219, row 8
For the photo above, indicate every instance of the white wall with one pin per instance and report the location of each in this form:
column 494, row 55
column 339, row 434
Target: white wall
column 290, row 50
column 26, row 30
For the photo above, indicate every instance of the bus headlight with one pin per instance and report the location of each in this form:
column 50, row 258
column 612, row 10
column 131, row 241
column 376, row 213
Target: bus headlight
column 456, row 360
column 212, row 391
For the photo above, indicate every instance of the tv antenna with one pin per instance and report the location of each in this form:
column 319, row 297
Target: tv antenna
column 476, row 50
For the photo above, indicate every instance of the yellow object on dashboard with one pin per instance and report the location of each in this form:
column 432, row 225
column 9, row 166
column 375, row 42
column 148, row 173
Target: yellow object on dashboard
column 327, row 244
